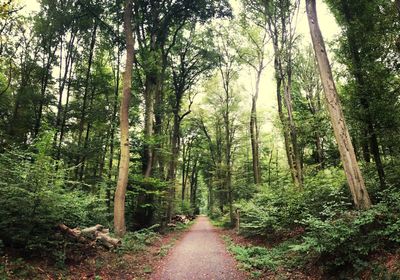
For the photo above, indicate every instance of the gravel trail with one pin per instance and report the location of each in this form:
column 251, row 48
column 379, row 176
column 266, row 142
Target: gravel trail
column 199, row 255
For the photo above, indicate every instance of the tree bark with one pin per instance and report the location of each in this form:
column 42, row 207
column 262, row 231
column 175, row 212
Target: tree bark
column 352, row 170
column 86, row 140
column 171, row 177
column 295, row 153
column 362, row 88
column 44, row 83
column 85, row 95
column 193, row 184
column 65, row 111
column 282, row 35
column 68, row 64
column 120, row 192
column 228, row 149
column 254, row 134
column 148, row 126
column 112, row 132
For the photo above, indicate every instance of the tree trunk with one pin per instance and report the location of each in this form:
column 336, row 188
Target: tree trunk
column 283, row 122
column 254, row 134
column 362, row 89
column 86, row 141
column 352, row 170
column 186, row 168
column 85, row 95
column 68, row 64
column 315, row 108
column 158, row 161
column 65, row 111
column 171, row 177
column 228, row 154
column 44, row 84
column 295, row 153
column 148, row 127
column 282, row 39
column 193, row 185
column 120, row 192
column 112, row 132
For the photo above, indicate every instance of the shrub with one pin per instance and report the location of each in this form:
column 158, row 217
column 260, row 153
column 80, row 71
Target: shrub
column 332, row 234
column 138, row 240
column 34, row 199
column 344, row 241
column 261, row 258
column 281, row 210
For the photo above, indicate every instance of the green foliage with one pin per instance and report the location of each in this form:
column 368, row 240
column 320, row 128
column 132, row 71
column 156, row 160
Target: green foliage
column 327, row 232
column 183, row 207
column 221, row 220
column 138, row 240
column 34, row 199
column 261, row 258
column 346, row 239
column 277, row 210
column 379, row 271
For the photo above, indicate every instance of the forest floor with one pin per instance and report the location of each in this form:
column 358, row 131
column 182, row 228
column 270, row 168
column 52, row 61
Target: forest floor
column 200, row 254
column 382, row 265
column 232, row 237
column 94, row 263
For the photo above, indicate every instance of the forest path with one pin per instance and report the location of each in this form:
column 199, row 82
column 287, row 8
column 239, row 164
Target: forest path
column 199, row 255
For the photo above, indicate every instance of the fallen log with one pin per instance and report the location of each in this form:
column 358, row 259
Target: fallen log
column 107, row 240
column 74, row 233
column 97, row 234
column 185, row 219
column 91, row 231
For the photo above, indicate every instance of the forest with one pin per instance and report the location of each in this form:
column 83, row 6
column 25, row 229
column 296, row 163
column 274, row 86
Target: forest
column 130, row 128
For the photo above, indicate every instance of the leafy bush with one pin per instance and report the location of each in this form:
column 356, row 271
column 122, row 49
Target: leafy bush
column 138, row 240
column 34, row 199
column 281, row 210
column 346, row 239
column 260, row 258
column 331, row 233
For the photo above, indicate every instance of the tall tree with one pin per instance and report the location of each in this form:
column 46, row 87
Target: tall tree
column 227, row 66
column 364, row 50
column 280, row 16
column 353, row 173
column 254, row 55
column 307, row 89
column 120, row 192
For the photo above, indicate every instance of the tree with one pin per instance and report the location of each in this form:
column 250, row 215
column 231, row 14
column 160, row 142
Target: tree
column 254, row 55
column 309, row 109
column 353, row 173
column 120, row 192
column 279, row 17
column 190, row 60
column 227, row 66
column 366, row 50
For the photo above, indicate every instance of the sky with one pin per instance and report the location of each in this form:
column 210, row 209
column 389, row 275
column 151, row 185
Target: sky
column 29, row 6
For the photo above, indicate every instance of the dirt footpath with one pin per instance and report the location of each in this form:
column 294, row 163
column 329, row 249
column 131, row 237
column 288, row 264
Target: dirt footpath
column 199, row 255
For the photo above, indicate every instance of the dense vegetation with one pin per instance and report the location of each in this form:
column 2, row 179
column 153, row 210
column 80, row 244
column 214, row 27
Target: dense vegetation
column 126, row 113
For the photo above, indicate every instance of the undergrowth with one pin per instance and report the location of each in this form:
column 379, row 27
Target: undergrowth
column 318, row 229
